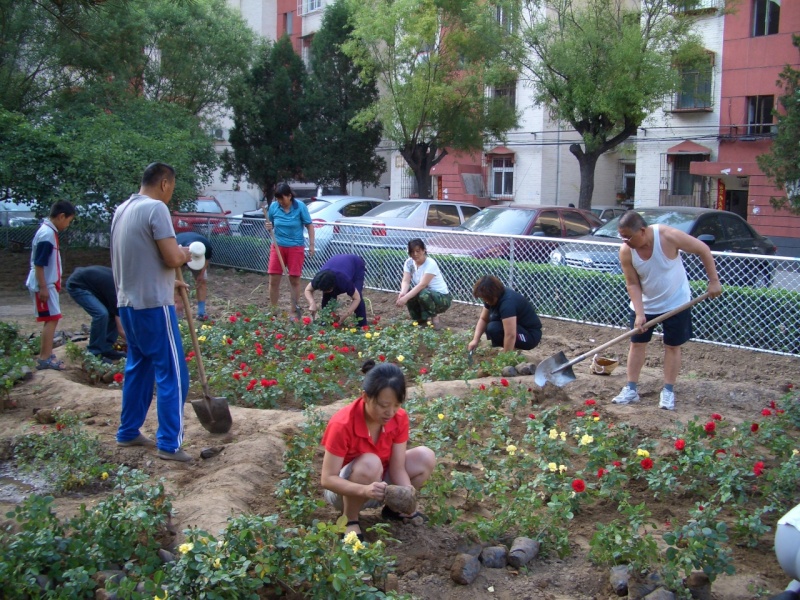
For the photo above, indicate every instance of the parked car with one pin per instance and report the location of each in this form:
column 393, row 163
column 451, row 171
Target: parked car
column 208, row 219
column 723, row 231
column 606, row 213
column 434, row 215
column 325, row 209
column 534, row 222
column 15, row 214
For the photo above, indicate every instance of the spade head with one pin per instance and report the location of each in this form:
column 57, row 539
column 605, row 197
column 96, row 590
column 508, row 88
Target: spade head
column 553, row 370
column 469, row 357
column 214, row 414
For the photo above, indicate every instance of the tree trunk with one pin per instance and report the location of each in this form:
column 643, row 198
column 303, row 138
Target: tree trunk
column 343, row 182
column 422, row 158
column 587, row 163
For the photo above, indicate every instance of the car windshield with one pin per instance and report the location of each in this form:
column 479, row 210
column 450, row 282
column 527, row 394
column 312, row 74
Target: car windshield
column 509, row 221
column 207, row 206
column 678, row 220
column 393, row 210
column 317, row 206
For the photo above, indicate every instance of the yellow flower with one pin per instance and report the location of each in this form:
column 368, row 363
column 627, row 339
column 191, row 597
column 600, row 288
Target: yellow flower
column 595, row 419
column 562, row 468
column 204, row 328
column 353, row 330
column 415, row 323
column 184, row 548
column 359, row 355
column 164, row 597
column 563, row 435
column 553, row 434
column 401, row 358
column 217, row 563
column 376, row 334
column 351, row 538
column 795, row 452
column 441, row 416
column 511, row 449
column 368, row 335
column 586, row 439
column 201, row 338
column 553, row 467
column 358, row 546
column 104, row 476
column 642, row 453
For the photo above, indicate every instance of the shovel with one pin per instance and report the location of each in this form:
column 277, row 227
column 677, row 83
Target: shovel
column 297, row 310
column 212, row 412
column 558, row 370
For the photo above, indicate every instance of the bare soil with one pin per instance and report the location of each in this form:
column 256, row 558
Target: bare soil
column 242, row 478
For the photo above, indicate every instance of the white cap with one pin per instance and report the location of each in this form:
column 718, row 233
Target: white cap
column 198, row 250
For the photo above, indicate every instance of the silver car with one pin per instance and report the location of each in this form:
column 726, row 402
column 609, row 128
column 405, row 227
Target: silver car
column 433, row 215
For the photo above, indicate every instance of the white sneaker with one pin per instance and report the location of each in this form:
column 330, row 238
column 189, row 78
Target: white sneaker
column 626, row 396
column 667, row 401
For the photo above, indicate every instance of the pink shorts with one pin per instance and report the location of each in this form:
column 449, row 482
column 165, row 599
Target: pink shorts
column 293, row 256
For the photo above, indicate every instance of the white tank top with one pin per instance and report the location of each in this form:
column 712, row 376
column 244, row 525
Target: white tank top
column 664, row 282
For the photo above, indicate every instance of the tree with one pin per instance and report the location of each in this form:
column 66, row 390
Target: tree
column 603, row 67
column 335, row 94
column 433, row 60
column 268, row 110
column 782, row 163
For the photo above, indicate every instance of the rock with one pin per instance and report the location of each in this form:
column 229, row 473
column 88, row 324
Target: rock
column 638, row 587
column 206, row 453
column 166, row 556
column 107, row 377
column 470, row 548
column 412, row 575
column 115, row 575
column 508, row 372
column 660, row 594
column 102, row 594
column 699, row 585
column 524, row 369
column 494, row 557
column 391, row 584
column 619, row 579
column 45, row 416
column 523, row 550
column 401, row 498
column 465, row 569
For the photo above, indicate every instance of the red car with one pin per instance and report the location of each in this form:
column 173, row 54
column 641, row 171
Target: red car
column 209, row 218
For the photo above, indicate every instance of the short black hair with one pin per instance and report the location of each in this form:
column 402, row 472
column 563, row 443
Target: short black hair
column 382, row 376
column 155, row 172
column 62, row 207
column 324, row 280
column 415, row 244
column 283, row 189
column 631, row 219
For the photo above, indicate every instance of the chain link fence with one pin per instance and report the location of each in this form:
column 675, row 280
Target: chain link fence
column 82, row 233
column 564, row 279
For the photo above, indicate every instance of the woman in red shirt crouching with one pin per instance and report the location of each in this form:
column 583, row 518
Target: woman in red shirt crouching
column 365, row 448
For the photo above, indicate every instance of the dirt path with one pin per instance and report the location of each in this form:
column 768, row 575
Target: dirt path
column 243, row 477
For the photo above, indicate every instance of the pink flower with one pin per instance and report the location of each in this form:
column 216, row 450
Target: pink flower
column 590, row 402
column 716, row 416
column 758, row 468
column 680, row 444
column 504, row 382
column 754, row 427
column 578, row 485
column 647, row 463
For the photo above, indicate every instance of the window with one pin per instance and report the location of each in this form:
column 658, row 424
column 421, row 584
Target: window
column 759, row 115
column 288, row 22
column 629, row 179
column 683, row 181
column 766, row 16
column 502, row 177
column 356, row 209
column 695, row 87
column 507, row 93
column 468, row 211
column 443, row 215
column 576, row 225
column 505, row 18
column 548, row 223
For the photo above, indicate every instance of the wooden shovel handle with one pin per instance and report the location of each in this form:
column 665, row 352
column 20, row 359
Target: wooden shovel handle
column 632, row 332
column 201, row 372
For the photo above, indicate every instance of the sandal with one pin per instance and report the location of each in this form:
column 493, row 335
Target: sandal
column 389, row 514
column 50, row 363
column 359, row 535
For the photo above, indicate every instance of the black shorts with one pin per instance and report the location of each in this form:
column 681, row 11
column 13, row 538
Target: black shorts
column 677, row 329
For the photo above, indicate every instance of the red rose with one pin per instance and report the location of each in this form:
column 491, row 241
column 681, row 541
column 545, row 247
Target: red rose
column 252, row 384
column 423, row 371
column 381, row 358
column 482, row 387
column 229, row 341
column 716, row 416
column 531, row 416
column 246, row 319
column 580, row 413
column 772, row 404
column 710, row 427
column 647, row 463
column 278, row 336
column 590, row 402
column 601, row 472
column 243, row 366
column 60, row 426
column 617, row 463
column 578, row 485
column 264, row 382
column 118, row 377
column 232, row 319
column 306, row 320
column 720, row 451
column 365, row 327
column 766, row 412
column 596, row 414
column 258, row 332
column 237, row 351
column 306, row 370
column 236, row 375
column 758, row 468
column 778, row 411
column 311, row 356
column 322, row 332
column 504, row 382
column 680, row 444
column 336, row 325
column 331, row 356
column 238, row 314
column 754, row 427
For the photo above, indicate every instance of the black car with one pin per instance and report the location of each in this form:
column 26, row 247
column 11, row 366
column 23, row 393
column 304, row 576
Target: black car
column 722, row 231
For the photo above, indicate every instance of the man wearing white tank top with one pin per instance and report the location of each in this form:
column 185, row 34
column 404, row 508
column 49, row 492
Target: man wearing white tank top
column 657, row 283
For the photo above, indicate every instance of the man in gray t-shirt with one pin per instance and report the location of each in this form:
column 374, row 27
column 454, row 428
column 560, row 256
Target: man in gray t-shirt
column 144, row 256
